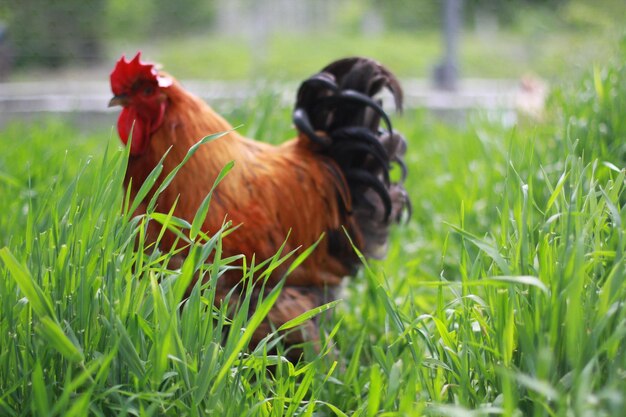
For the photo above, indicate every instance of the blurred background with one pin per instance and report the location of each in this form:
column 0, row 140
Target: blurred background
column 55, row 56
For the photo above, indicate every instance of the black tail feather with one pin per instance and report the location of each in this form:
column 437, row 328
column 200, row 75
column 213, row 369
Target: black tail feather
column 337, row 110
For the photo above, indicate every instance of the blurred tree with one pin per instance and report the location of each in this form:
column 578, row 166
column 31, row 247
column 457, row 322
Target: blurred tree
column 410, row 15
column 506, row 11
column 154, row 18
column 585, row 16
column 51, row 33
column 6, row 53
column 128, row 19
column 182, row 15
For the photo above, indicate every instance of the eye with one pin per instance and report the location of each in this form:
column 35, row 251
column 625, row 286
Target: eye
column 148, row 90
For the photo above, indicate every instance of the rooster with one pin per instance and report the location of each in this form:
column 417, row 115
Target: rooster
column 333, row 179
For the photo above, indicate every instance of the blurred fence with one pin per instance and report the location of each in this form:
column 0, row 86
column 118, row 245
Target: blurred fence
column 27, row 100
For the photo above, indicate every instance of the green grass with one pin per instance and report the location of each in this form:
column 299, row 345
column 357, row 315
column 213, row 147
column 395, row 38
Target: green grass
column 501, row 54
column 504, row 294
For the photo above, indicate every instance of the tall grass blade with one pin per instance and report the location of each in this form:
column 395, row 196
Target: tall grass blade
column 40, row 303
column 202, row 211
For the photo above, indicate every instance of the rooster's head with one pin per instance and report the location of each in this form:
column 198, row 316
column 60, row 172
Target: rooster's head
column 139, row 89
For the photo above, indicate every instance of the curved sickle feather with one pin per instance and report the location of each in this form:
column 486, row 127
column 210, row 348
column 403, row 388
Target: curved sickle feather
column 365, row 178
column 302, row 122
column 348, row 148
column 360, row 98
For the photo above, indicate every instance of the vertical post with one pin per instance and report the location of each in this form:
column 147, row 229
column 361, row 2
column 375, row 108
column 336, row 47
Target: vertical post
column 447, row 72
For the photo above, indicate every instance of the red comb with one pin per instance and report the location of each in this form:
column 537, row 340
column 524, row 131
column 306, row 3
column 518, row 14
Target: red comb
column 126, row 73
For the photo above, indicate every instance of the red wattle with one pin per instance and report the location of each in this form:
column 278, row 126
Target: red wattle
column 130, row 120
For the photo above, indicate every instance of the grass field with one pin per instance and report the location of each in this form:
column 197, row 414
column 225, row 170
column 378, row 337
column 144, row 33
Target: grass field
column 503, row 295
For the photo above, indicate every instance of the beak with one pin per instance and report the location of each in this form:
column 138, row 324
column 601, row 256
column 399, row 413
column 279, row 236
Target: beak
column 120, row 100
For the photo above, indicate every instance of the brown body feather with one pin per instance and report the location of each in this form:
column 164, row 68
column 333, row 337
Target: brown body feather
column 329, row 179
column 273, row 192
